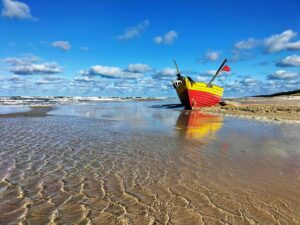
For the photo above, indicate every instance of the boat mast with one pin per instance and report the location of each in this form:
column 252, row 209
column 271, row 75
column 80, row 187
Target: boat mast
column 212, row 79
column 178, row 72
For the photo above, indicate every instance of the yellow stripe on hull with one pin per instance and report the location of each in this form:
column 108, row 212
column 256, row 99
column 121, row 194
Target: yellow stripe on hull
column 200, row 86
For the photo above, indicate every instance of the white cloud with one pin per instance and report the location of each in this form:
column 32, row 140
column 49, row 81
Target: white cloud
column 164, row 87
column 279, row 85
column 250, row 81
column 249, row 86
column 44, row 68
column 206, row 76
column 239, row 55
column 212, row 55
column 63, row 45
column 53, row 78
column 30, row 65
column 15, row 9
column 202, row 78
column 21, row 60
column 279, row 42
column 135, row 31
column 124, row 85
column 84, row 79
column 168, row 72
column 246, row 44
column 167, row 39
column 111, row 72
column 138, row 68
column 211, row 72
column 165, row 74
column 283, row 75
column 290, row 61
column 42, row 82
column 293, row 82
column 49, row 80
column 15, row 79
column 245, row 85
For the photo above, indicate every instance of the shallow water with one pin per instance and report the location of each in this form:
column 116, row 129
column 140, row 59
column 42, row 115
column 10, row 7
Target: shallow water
column 144, row 163
column 4, row 109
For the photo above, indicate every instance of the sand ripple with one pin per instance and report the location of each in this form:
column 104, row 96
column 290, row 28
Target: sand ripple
column 65, row 170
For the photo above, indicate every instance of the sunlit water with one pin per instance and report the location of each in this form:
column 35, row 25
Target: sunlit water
column 144, row 163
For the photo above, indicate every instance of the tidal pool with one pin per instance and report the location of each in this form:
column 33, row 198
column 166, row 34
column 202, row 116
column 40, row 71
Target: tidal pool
column 147, row 163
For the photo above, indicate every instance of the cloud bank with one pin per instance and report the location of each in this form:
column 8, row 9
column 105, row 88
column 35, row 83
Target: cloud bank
column 111, row 72
column 283, row 75
column 290, row 61
column 138, row 68
column 279, row 42
column 32, row 66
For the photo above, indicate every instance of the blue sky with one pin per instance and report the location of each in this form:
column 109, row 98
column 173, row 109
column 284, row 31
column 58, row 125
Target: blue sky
column 126, row 48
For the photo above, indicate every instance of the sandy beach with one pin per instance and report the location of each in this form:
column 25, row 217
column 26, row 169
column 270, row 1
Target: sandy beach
column 286, row 109
column 146, row 163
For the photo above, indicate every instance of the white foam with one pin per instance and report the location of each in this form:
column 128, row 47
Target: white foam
column 52, row 100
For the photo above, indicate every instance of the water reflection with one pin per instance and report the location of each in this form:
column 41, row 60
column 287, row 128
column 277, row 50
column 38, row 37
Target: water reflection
column 5, row 109
column 151, row 117
column 128, row 117
column 197, row 125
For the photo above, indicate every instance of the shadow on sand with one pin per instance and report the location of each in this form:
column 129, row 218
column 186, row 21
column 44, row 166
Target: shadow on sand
column 168, row 106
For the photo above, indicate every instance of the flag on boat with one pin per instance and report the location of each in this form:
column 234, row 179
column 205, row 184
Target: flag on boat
column 226, row 68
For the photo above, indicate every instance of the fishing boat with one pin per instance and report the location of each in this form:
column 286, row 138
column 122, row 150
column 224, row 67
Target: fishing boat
column 198, row 94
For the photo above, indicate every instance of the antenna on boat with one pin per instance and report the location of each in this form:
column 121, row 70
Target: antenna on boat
column 218, row 71
column 178, row 72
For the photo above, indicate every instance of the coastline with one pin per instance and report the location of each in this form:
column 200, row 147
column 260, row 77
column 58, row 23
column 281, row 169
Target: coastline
column 283, row 109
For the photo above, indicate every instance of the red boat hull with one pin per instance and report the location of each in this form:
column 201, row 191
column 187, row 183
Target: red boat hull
column 195, row 99
column 198, row 94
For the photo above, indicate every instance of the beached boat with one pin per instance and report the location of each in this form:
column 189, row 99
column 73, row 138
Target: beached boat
column 198, row 94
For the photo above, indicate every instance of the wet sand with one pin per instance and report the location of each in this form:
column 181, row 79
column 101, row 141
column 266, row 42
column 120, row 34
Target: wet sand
column 34, row 111
column 139, row 163
column 271, row 108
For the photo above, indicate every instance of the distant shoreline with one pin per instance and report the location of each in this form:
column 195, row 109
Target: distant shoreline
column 287, row 93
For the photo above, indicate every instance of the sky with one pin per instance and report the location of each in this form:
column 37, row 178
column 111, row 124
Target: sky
column 126, row 48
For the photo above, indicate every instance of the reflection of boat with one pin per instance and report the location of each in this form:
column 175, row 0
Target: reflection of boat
column 196, row 125
column 198, row 94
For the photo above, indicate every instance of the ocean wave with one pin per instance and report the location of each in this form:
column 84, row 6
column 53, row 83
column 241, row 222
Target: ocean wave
column 53, row 100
